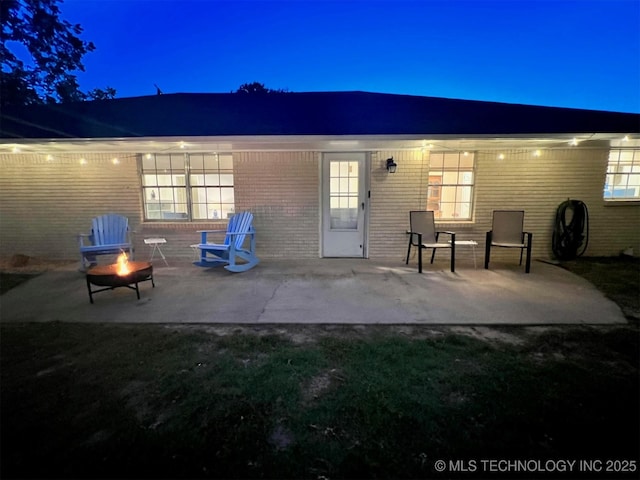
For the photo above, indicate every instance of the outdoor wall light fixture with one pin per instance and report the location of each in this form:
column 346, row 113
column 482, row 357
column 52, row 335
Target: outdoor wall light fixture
column 391, row 165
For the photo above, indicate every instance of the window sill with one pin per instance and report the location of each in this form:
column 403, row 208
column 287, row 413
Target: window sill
column 456, row 223
column 183, row 225
column 622, row 203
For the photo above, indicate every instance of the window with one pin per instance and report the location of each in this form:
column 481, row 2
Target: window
column 450, row 189
column 187, row 186
column 623, row 175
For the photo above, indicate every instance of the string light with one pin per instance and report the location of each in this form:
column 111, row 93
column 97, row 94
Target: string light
column 537, row 153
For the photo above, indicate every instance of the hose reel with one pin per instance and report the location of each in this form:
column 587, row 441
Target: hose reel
column 571, row 230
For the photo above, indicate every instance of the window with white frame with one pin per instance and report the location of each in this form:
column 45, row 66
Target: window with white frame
column 450, row 187
column 182, row 187
column 623, row 175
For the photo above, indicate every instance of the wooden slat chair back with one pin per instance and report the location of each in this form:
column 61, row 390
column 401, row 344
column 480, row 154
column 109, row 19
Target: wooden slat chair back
column 232, row 248
column 109, row 235
column 507, row 231
column 423, row 234
column 110, row 230
column 238, row 223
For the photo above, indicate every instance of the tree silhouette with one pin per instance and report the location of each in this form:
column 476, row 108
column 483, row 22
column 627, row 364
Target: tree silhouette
column 54, row 52
column 257, row 88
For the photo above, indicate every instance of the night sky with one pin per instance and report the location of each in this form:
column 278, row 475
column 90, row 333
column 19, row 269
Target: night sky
column 579, row 53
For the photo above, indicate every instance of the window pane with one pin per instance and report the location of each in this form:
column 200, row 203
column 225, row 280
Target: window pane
column 164, row 180
column 466, row 161
column 212, row 179
column 215, row 211
column 177, row 162
column 149, row 180
column 198, row 195
column 163, row 162
column 226, row 162
column 451, row 160
column 151, row 196
column 465, row 178
column 166, row 195
column 210, row 162
column 435, row 161
column 226, row 179
column 213, row 195
column 463, row 194
column 448, row 194
column 447, row 210
column 148, row 164
column 450, row 178
column 197, row 179
column 226, row 195
column 626, row 157
column 463, row 211
column 227, row 210
column 634, row 180
column 196, row 162
column 179, row 180
column 199, row 211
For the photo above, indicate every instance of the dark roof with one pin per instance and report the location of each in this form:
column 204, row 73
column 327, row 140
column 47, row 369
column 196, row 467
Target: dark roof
column 313, row 113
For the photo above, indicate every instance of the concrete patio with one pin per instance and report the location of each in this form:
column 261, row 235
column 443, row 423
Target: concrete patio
column 321, row 291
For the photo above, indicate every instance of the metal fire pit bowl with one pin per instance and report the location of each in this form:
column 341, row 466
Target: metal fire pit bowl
column 107, row 276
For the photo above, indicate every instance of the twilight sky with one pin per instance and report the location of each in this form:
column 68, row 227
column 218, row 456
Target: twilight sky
column 573, row 53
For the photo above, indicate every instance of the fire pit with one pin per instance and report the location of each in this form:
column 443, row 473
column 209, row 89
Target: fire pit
column 122, row 274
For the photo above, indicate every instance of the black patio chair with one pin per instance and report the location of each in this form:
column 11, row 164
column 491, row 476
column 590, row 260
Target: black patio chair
column 507, row 231
column 423, row 235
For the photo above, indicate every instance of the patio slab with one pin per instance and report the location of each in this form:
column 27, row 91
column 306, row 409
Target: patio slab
column 322, row 291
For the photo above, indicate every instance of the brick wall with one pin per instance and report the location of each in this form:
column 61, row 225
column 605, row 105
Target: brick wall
column 282, row 191
column 45, row 204
column 518, row 181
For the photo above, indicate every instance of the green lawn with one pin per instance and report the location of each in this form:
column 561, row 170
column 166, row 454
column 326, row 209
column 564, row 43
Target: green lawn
column 152, row 401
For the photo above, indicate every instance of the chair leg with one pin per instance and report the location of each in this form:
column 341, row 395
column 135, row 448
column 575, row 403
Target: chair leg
column 419, row 253
column 521, row 250
column 527, row 268
column 408, row 250
column 487, row 250
column 453, row 253
column 433, row 254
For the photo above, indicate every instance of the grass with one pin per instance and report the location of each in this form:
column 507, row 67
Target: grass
column 149, row 401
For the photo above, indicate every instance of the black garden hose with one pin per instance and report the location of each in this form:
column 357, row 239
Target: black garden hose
column 571, row 230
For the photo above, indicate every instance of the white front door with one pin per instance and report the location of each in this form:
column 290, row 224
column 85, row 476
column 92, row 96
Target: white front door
column 343, row 204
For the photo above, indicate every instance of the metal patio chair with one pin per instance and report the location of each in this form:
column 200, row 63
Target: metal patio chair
column 507, row 231
column 423, row 235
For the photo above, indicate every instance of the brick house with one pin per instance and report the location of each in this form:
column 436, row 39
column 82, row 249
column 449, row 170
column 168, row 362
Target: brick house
column 312, row 167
